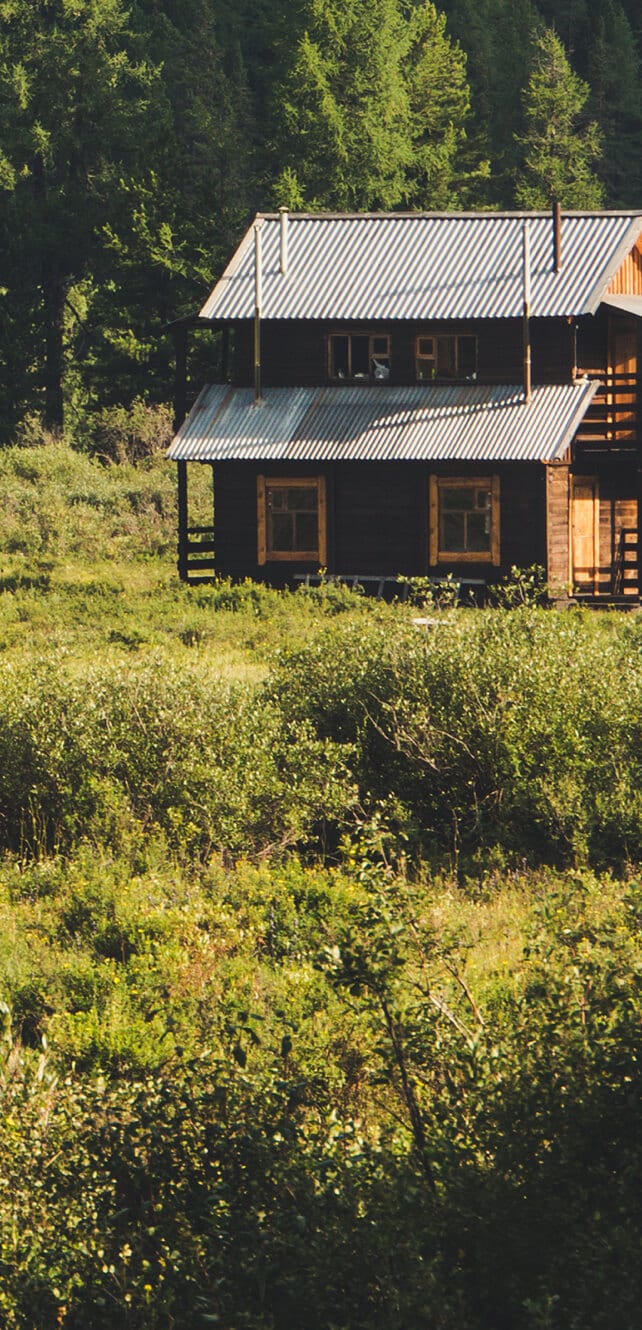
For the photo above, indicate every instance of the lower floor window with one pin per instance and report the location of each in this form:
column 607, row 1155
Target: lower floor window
column 291, row 519
column 464, row 519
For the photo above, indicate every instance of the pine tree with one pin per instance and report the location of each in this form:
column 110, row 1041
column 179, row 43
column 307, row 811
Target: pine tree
column 444, row 172
column 342, row 112
column 559, row 149
column 616, row 99
column 495, row 34
column 74, row 93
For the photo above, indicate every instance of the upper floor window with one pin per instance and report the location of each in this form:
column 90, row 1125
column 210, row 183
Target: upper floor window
column 359, row 357
column 446, row 356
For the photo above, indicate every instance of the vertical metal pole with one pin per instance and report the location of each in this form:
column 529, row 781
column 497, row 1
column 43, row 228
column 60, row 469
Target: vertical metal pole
column 284, row 241
column 258, row 298
column 526, row 326
column 557, row 236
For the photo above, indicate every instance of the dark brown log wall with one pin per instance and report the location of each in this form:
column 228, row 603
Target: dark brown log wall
column 295, row 352
column 377, row 515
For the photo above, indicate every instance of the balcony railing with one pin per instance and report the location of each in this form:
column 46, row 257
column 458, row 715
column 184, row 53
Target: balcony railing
column 612, row 418
column 624, row 575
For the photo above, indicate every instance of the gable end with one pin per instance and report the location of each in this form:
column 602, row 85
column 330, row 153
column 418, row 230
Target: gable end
column 628, row 278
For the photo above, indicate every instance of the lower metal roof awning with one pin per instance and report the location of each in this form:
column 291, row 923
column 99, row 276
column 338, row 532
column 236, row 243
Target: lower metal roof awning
column 626, row 304
column 462, row 422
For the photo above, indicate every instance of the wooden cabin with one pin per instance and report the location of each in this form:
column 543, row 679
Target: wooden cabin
column 421, row 395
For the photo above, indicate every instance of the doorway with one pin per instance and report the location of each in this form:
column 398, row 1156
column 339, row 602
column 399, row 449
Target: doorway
column 585, row 534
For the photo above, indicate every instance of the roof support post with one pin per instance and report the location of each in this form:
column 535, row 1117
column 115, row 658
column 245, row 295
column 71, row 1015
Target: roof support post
column 182, row 520
column 258, row 297
column 526, row 325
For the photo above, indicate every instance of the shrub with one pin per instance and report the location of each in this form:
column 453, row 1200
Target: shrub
column 128, row 434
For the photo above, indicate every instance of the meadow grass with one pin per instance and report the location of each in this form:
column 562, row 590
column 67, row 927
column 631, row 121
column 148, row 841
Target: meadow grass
column 319, row 941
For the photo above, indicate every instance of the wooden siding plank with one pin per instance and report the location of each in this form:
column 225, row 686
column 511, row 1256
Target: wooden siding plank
column 558, row 555
column 495, row 514
column 323, row 523
column 628, row 278
column 261, row 535
column 434, row 520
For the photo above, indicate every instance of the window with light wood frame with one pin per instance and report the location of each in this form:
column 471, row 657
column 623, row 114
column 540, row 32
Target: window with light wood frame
column 291, row 519
column 359, row 357
column 464, row 519
column 442, row 356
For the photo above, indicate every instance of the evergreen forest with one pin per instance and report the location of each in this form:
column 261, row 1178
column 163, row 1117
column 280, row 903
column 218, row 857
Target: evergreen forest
column 137, row 140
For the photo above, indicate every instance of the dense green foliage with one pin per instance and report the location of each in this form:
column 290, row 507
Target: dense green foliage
column 136, row 141
column 320, row 960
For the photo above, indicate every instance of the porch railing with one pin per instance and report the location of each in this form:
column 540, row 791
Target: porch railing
column 612, row 418
column 625, row 576
column 198, row 554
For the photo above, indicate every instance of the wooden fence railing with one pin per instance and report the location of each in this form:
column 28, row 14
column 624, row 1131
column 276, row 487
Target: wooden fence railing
column 612, row 418
column 624, row 575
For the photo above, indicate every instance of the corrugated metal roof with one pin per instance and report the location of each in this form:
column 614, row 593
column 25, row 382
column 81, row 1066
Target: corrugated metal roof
column 425, row 266
column 468, row 422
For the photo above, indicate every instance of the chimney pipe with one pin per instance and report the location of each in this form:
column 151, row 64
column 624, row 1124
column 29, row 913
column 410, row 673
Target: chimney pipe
column 258, row 297
column 557, row 236
column 284, row 241
column 526, row 326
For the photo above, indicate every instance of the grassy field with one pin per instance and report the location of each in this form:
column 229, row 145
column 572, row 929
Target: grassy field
column 320, row 961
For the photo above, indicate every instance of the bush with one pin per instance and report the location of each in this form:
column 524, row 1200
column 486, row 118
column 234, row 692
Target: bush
column 512, row 729
column 129, row 434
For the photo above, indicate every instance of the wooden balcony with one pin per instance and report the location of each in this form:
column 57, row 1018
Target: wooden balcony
column 611, row 422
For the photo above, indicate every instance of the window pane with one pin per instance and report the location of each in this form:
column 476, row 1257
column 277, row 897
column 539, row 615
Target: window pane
column 478, row 538
column 340, row 364
column 307, row 531
column 461, row 499
column 360, row 355
column 426, row 346
column 304, row 497
column 446, row 363
column 425, row 368
column 276, row 499
column 453, row 532
column 467, row 355
column 380, row 346
column 483, row 499
column 281, row 533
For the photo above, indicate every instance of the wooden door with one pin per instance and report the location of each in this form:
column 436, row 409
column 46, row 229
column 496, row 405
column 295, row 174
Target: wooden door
column 585, row 534
column 623, row 350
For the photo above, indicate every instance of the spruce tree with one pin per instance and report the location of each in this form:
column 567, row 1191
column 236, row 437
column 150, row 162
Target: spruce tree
column 445, row 171
column 342, row 112
column 75, row 92
column 616, row 100
column 559, row 149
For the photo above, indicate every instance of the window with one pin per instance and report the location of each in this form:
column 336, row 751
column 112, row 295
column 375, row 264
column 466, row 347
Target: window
column 291, row 519
column 446, row 356
column 464, row 520
column 359, row 357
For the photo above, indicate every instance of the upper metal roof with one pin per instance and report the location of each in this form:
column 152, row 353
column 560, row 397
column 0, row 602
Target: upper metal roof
column 470, row 422
column 424, row 266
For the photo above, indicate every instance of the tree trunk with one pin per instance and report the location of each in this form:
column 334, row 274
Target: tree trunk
column 53, row 292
